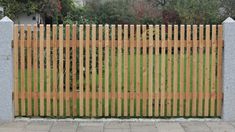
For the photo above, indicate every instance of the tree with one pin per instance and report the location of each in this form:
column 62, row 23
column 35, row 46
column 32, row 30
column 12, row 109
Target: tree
column 49, row 9
column 196, row 11
column 228, row 8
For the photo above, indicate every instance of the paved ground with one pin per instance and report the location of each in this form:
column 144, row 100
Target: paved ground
column 116, row 126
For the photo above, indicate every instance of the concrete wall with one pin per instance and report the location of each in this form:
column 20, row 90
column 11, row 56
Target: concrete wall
column 6, row 69
column 229, row 70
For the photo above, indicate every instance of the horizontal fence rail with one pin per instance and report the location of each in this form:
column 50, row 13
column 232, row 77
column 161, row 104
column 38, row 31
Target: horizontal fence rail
column 118, row 71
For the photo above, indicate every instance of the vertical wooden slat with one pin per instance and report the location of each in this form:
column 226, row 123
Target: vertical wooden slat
column 163, row 71
column 138, row 70
column 150, row 79
column 106, row 70
column 175, row 79
column 35, row 68
column 61, row 71
column 200, row 70
column 119, row 71
column 207, row 72
column 182, row 45
column 169, row 71
column 213, row 68
column 100, row 70
column 55, row 77
column 41, row 57
column 219, row 70
column 194, row 66
column 125, row 69
column 48, row 69
column 87, row 70
column 157, row 70
column 113, row 95
column 93, row 70
column 16, row 71
column 22, row 67
column 74, row 71
column 29, row 69
column 132, row 68
column 144, row 70
column 67, row 70
column 188, row 86
column 81, row 81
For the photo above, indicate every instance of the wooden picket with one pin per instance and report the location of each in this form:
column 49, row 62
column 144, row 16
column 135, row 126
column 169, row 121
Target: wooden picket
column 118, row 71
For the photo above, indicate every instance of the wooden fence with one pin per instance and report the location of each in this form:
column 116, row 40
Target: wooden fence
column 118, row 71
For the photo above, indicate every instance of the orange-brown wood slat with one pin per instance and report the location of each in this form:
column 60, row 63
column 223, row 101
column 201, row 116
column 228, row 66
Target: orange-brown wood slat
column 67, row 70
column 48, row 69
column 138, row 70
column 144, row 71
column 163, row 71
column 125, row 70
column 74, row 70
column 195, row 67
column 207, row 72
column 113, row 91
column 61, row 71
column 182, row 60
column 35, row 68
column 200, row 72
column 100, row 109
column 106, row 70
column 169, row 71
column 132, row 68
column 93, row 70
column 219, row 70
column 150, row 78
column 41, row 61
column 29, row 69
column 188, row 71
column 157, row 70
column 175, row 79
column 119, row 112
column 55, row 75
column 213, row 69
column 81, row 78
column 16, row 71
column 22, row 68
column 87, row 71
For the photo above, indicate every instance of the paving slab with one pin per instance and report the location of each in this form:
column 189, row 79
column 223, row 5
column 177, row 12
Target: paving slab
column 117, row 130
column 150, row 123
column 90, row 127
column 117, row 125
column 16, row 126
column 195, row 127
column 220, row 126
column 39, row 126
column 64, row 127
column 169, row 127
column 143, row 126
column 233, row 123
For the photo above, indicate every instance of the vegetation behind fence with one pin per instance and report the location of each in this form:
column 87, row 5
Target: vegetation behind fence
column 118, row 71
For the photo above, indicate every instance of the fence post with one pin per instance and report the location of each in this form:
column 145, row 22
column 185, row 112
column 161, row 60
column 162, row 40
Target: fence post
column 229, row 70
column 6, row 69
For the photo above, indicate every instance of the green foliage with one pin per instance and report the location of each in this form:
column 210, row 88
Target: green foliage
column 197, row 11
column 228, row 8
column 14, row 7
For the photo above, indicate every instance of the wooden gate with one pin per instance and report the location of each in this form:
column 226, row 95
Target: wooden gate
column 118, row 71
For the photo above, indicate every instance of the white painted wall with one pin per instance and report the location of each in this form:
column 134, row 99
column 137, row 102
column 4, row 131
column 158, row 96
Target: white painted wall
column 28, row 19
